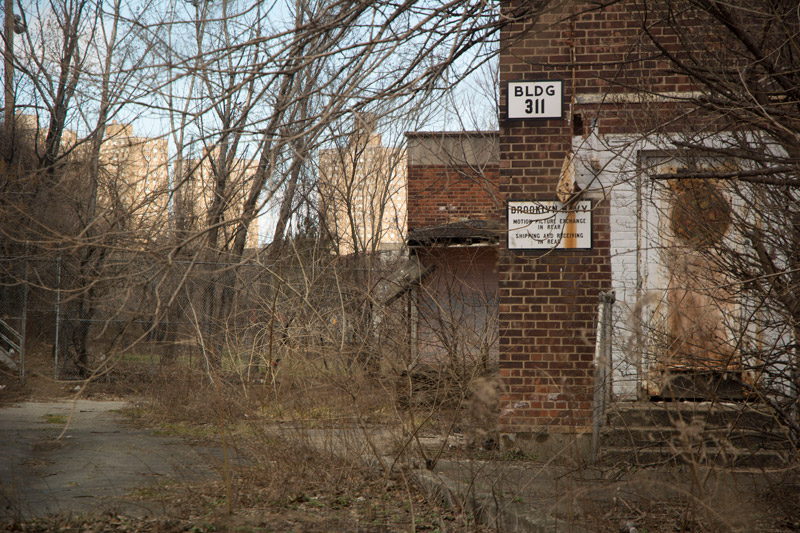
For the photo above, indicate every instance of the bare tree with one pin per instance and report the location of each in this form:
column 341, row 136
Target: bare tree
column 279, row 88
column 250, row 92
column 79, row 66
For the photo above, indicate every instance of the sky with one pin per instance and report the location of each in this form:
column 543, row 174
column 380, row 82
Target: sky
column 167, row 26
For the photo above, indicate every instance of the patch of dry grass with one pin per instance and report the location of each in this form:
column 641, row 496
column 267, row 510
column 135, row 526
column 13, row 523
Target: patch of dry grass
column 277, row 476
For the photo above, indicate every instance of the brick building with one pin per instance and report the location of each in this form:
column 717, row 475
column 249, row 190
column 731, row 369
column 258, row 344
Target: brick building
column 617, row 206
column 454, row 228
column 591, row 111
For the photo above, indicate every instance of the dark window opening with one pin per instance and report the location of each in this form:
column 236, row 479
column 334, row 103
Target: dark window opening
column 577, row 124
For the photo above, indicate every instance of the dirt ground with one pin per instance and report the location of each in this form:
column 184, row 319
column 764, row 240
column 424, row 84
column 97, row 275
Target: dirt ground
column 138, row 454
column 91, row 460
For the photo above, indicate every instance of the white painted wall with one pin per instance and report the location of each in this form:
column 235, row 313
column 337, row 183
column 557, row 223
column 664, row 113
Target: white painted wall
column 609, row 167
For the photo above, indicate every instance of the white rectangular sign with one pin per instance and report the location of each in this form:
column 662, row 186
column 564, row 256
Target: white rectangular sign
column 535, row 99
column 547, row 225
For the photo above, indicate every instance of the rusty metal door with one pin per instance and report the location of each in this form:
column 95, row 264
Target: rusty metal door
column 695, row 354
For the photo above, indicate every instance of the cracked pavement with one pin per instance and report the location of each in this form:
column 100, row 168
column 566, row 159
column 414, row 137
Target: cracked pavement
column 97, row 466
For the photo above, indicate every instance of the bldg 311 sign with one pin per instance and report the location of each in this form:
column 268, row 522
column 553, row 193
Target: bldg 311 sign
column 535, row 99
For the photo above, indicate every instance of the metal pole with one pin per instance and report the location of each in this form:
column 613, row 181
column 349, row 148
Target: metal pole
column 610, row 298
column 58, row 316
column 24, row 318
column 597, row 397
column 8, row 87
column 602, row 370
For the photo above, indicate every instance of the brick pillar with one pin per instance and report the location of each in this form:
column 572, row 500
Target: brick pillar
column 548, row 299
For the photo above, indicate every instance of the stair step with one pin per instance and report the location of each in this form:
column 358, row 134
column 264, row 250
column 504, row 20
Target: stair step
column 746, row 439
column 640, row 414
column 706, row 455
column 738, row 435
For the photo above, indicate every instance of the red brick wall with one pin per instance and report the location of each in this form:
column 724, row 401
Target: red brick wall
column 442, row 189
column 441, row 194
column 548, row 300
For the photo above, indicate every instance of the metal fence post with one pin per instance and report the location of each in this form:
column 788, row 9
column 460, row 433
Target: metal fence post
column 602, row 367
column 24, row 318
column 58, row 317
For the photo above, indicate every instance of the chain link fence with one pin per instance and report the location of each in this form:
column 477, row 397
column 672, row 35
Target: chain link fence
column 75, row 316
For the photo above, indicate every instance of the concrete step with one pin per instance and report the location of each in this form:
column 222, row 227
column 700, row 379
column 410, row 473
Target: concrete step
column 641, row 436
column 711, row 456
column 667, row 414
column 739, row 435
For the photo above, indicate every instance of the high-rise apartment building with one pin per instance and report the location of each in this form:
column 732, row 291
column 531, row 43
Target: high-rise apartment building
column 134, row 180
column 196, row 191
column 363, row 192
column 132, row 177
